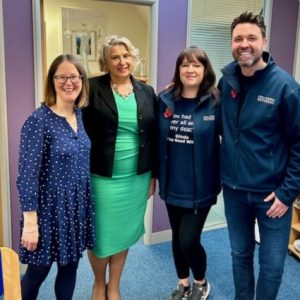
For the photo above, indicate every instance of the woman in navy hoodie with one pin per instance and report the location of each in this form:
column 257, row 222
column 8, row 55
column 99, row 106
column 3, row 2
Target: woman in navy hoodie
column 188, row 175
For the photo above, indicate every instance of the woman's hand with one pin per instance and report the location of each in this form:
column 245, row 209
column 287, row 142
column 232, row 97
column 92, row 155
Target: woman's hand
column 30, row 237
column 30, row 231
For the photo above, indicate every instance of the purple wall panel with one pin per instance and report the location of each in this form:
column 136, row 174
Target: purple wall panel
column 283, row 32
column 172, row 24
column 19, row 64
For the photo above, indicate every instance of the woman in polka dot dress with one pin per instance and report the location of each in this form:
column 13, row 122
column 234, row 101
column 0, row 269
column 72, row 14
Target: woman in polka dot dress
column 54, row 184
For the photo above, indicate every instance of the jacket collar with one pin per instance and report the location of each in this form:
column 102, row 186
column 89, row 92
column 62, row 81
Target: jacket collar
column 168, row 98
column 106, row 80
column 107, row 93
column 230, row 71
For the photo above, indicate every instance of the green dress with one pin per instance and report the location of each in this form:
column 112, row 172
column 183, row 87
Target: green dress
column 120, row 201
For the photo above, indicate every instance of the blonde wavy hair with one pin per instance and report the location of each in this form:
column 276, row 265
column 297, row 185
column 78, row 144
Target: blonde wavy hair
column 115, row 40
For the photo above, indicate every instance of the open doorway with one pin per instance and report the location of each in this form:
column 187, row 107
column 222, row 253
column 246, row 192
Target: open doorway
column 59, row 25
column 58, row 28
column 71, row 26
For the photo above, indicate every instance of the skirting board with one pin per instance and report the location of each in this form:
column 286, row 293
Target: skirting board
column 166, row 235
column 158, row 237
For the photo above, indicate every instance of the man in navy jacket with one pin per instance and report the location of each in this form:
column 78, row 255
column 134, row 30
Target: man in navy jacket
column 260, row 157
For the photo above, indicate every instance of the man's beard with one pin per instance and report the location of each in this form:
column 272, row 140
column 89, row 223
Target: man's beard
column 249, row 63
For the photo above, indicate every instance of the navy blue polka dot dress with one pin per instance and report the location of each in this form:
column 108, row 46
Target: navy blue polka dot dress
column 54, row 180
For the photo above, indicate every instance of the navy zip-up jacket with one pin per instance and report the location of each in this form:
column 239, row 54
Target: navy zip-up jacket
column 260, row 150
column 206, row 149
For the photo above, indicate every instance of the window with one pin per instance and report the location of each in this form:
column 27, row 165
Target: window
column 209, row 29
column 210, row 22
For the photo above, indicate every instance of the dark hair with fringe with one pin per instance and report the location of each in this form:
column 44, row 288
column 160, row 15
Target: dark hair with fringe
column 207, row 86
column 50, row 93
column 250, row 17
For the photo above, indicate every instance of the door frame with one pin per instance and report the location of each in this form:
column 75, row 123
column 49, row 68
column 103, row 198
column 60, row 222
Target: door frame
column 37, row 6
column 296, row 71
column 5, row 210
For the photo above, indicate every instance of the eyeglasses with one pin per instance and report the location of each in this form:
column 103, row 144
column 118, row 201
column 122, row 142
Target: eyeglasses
column 64, row 78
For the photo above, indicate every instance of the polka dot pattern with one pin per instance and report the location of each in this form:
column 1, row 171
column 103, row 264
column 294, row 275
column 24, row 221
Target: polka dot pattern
column 54, row 180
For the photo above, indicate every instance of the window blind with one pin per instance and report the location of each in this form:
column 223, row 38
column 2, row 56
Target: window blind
column 209, row 29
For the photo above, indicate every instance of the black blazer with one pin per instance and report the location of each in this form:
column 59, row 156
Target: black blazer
column 100, row 120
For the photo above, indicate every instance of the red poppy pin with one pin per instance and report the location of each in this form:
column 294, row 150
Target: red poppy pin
column 233, row 93
column 168, row 113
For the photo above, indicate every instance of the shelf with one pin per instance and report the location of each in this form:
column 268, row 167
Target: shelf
column 295, row 230
column 295, row 252
column 296, row 226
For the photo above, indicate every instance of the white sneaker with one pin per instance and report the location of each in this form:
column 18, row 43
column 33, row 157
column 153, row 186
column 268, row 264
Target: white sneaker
column 199, row 292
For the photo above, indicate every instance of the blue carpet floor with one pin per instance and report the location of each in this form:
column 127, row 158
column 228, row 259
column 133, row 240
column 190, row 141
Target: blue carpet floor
column 150, row 275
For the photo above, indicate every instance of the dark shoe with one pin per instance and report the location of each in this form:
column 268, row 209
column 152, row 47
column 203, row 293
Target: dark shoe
column 180, row 293
column 199, row 292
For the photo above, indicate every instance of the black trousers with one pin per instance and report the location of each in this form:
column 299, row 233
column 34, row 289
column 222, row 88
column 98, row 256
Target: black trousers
column 188, row 253
column 36, row 274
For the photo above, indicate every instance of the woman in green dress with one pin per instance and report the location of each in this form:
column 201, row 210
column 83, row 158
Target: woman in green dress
column 120, row 122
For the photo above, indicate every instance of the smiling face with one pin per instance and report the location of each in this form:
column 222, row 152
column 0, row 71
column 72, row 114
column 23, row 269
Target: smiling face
column 247, row 47
column 119, row 63
column 67, row 91
column 191, row 73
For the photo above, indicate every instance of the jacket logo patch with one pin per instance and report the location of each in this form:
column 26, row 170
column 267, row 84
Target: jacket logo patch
column 209, row 118
column 267, row 100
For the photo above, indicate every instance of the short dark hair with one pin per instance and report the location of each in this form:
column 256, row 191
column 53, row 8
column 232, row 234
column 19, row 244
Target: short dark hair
column 250, row 17
column 50, row 93
column 207, row 85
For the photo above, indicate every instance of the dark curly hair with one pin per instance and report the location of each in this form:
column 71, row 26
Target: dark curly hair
column 250, row 17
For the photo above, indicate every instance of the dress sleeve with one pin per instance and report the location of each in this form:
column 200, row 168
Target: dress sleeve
column 30, row 158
